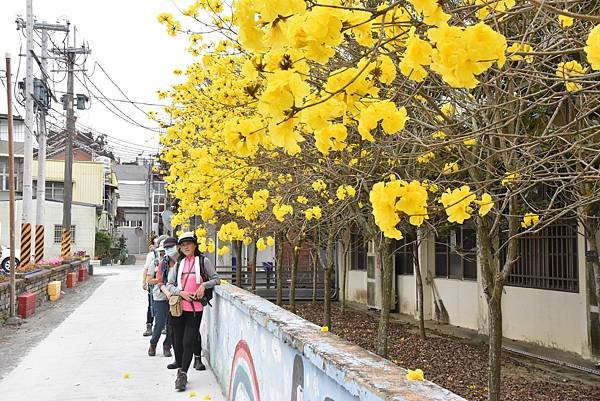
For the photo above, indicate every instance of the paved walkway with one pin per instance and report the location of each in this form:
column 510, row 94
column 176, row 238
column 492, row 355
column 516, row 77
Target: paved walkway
column 90, row 354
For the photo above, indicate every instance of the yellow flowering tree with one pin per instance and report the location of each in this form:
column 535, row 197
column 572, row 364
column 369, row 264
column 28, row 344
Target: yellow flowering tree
column 400, row 115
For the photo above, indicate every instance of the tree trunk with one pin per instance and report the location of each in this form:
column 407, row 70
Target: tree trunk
column 495, row 348
column 238, row 267
column 279, row 268
column 386, row 257
column 419, row 281
column 594, row 251
column 253, row 279
column 344, row 269
column 293, row 279
column 327, row 281
column 315, row 275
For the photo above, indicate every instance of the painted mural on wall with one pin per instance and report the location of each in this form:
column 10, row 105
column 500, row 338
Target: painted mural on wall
column 252, row 364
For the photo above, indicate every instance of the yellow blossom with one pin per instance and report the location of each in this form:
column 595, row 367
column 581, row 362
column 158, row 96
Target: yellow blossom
column 592, row 48
column 426, row 158
column 324, row 329
column 301, row 199
column 392, row 119
column 416, row 374
column 510, row 177
column 520, row 48
column 565, row 21
column 270, row 241
column 485, row 204
column 569, row 70
column 529, row 220
column 223, row 250
column 450, row 168
column 280, row 211
column 458, row 204
column 313, row 213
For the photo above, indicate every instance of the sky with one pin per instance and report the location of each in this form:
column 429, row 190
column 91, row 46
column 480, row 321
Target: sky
column 127, row 41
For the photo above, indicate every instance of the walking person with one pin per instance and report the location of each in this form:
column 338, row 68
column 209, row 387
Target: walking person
column 159, row 301
column 190, row 279
column 149, row 267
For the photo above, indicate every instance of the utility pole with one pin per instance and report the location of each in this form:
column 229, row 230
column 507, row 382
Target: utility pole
column 13, row 319
column 41, row 181
column 27, row 214
column 68, row 199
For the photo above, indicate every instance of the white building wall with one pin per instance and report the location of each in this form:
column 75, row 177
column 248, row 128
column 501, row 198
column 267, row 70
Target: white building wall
column 406, row 291
column 82, row 217
column 550, row 318
column 356, row 286
column 460, row 298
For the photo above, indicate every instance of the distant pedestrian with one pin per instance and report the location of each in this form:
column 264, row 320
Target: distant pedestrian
column 149, row 266
column 192, row 276
column 160, row 305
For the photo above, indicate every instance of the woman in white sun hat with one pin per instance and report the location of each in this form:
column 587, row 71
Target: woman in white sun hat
column 192, row 279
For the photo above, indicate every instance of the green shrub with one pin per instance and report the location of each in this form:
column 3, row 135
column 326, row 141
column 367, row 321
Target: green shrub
column 103, row 243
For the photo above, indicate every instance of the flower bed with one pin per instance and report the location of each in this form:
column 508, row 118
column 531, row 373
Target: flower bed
column 37, row 282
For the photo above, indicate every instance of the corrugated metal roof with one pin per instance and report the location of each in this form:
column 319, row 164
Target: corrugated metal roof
column 131, row 172
column 132, row 195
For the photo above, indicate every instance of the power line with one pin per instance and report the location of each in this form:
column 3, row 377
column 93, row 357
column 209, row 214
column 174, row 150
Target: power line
column 88, row 128
column 123, row 116
column 124, row 100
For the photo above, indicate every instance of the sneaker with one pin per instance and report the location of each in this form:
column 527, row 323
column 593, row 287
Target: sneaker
column 167, row 351
column 148, row 331
column 181, row 380
column 152, row 350
column 198, row 365
column 164, row 331
column 173, row 365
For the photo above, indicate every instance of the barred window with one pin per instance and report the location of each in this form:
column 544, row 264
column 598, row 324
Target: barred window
column 358, row 250
column 456, row 254
column 58, row 234
column 548, row 259
column 403, row 255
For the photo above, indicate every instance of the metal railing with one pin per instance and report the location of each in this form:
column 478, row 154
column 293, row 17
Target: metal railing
column 266, row 281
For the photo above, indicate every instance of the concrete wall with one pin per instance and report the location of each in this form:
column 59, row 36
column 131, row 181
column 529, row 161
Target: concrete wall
column 406, row 291
column 460, row 297
column 356, row 286
column 260, row 352
column 82, row 217
column 549, row 318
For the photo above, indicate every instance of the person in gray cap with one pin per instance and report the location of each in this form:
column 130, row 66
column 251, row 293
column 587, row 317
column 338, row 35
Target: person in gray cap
column 193, row 279
column 160, row 304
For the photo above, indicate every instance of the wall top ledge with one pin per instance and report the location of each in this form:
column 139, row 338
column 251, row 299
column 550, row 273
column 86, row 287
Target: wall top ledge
column 362, row 373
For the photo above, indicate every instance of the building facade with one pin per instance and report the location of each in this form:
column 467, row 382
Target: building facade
column 548, row 298
column 134, row 205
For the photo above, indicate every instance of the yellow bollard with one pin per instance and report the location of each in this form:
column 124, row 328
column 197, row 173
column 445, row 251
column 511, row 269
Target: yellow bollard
column 54, row 290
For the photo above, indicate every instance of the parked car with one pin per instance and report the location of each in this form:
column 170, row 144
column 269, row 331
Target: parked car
column 5, row 259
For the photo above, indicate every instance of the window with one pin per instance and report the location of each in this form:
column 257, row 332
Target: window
column 131, row 223
column 58, row 234
column 358, row 250
column 403, row 255
column 54, row 190
column 548, row 259
column 4, row 176
column 456, row 254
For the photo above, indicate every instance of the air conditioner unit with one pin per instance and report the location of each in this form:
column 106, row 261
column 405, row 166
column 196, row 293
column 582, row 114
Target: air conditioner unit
column 374, row 280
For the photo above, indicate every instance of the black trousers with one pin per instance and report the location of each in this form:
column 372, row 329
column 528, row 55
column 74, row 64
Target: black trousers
column 186, row 336
column 149, row 312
